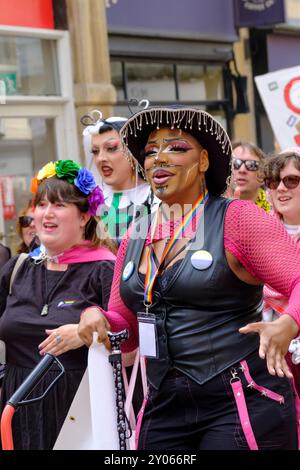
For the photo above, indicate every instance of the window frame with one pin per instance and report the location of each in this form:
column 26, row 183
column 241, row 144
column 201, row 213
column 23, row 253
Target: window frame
column 224, row 105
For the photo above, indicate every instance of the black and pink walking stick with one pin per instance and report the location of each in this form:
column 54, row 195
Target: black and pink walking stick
column 115, row 358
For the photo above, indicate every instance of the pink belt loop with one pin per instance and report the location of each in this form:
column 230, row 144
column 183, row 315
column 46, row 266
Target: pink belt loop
column 264, row 391
column 239, row 397
column 139, row 422
column 297, row 406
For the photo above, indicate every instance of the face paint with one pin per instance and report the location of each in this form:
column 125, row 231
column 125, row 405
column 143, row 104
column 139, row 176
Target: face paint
column 189, row 170
column 170, row 164
column 161, row 189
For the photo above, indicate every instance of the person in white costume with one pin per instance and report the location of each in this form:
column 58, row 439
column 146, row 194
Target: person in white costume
column 127, row 195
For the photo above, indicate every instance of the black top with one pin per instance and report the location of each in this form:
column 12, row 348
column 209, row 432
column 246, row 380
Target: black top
column 4, row 254
column 198, row 311
column 22, row 326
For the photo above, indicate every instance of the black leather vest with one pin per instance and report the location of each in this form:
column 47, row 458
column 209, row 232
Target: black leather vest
column 199, row 313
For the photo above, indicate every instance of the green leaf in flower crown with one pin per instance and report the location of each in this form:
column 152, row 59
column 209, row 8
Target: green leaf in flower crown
column 67, row 169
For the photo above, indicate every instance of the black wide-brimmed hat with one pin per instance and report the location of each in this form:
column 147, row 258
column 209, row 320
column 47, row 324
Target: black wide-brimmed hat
column 201, row 125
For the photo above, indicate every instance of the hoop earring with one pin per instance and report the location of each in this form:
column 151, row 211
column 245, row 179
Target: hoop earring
column 229, row 181
column 135, row 172
column 203, row 185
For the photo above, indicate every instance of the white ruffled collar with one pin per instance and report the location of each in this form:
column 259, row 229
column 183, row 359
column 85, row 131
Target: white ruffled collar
column 137, row 195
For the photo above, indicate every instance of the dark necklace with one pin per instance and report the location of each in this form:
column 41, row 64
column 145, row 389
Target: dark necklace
column 49, row 290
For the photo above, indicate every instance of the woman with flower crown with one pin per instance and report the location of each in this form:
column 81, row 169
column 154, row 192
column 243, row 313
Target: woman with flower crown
column 73, row 271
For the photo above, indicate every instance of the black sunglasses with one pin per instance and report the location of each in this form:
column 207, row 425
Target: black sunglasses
column 25, row 221
column 251, row 165
column 290, row 182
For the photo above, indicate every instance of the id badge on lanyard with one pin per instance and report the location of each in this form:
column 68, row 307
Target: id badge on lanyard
column 147, row 335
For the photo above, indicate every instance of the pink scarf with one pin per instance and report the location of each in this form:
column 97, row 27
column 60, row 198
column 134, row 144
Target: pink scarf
column 85, row 254
column 82, row 253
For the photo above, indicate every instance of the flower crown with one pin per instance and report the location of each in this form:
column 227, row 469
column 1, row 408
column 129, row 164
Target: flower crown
column 75, row 174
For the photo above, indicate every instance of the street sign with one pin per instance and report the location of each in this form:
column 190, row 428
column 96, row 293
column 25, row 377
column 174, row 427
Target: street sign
column 253, row 13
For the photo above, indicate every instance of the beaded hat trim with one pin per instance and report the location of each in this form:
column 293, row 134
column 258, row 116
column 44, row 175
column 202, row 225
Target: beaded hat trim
column 207, row 131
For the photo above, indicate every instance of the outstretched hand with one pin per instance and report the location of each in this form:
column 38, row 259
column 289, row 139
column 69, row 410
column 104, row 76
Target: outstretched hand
column 275, row 338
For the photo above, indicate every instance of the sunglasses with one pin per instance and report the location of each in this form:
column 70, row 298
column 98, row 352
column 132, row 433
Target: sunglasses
column 251, row 165
column 290, row 182
column 25, row 221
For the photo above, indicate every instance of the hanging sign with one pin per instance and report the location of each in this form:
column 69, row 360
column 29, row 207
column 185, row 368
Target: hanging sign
column 280, row 94
column 29, row 13
column 252, row 13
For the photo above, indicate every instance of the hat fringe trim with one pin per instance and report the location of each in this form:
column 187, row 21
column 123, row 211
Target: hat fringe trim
column 174, row 119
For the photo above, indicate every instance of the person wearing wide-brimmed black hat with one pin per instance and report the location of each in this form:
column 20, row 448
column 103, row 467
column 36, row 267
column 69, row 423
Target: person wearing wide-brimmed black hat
column 188, row 282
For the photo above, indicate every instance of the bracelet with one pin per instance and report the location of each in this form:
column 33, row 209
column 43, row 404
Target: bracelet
column 91, row 306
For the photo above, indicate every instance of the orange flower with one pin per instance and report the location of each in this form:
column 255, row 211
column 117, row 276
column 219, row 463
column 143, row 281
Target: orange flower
column 34, row 185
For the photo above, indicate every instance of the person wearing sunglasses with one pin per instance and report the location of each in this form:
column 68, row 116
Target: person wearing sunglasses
column 247, row 176
column 282, row 178
column 25, row 228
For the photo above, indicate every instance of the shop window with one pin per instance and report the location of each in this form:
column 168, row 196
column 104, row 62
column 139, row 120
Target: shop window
column 200, row 82
column 26, row 144
column 201, row 85
column 117, row 79
column 160, row 82
column 28, row 66
column 152, row 81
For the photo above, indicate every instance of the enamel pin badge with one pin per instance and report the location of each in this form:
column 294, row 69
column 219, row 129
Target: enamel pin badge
column 128, row 270
column 201, row 260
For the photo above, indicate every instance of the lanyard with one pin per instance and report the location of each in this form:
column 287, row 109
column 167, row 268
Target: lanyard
column 152, row 268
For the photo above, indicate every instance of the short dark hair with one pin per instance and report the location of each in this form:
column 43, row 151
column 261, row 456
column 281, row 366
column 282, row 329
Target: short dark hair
column 275, row 163
column 111, row 126
column 56, row 189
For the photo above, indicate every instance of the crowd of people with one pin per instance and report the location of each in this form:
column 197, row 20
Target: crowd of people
column 190, row 243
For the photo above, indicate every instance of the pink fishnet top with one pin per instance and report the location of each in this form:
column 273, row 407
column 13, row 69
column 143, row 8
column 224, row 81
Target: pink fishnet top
column 259, row 242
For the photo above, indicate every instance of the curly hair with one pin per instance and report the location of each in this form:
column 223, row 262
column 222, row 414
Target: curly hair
column 275, row 163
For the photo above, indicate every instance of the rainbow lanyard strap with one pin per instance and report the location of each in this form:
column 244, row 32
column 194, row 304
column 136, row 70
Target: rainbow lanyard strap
column 152, row 268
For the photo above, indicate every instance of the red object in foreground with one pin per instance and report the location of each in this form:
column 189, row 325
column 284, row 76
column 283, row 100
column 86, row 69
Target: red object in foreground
column 20, row 395
column 297, row 139
column 6, row 431
column 29, row 13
